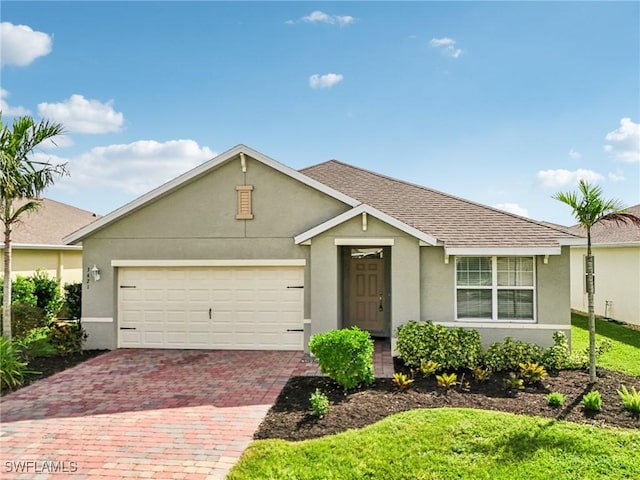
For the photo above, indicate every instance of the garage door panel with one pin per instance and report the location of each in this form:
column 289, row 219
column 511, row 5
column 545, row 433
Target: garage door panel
column 251, row 308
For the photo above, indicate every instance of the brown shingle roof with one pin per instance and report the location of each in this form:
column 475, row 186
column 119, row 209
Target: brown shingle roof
column 457, row 222
column 612, row 232
column 49, row 224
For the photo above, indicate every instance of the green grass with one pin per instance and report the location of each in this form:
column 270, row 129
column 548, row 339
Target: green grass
column 624, row 355
column 450, row 444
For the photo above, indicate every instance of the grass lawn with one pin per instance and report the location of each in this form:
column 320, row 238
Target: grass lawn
column 624, row 355
column 447, row 444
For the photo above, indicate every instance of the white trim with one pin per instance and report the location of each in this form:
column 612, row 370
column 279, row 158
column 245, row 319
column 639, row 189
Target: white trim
column 364, row 242
column 507, row 325
column 294, row 262
column 96, row 320
column 42, row 246
column 197, row 171
column 502, row 251
column 609, row 245
column 364, row 208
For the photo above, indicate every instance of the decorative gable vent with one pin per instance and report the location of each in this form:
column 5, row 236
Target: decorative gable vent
column 244, row 202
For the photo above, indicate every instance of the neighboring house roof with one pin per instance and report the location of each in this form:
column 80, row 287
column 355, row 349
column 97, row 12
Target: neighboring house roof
column 458, row 223
column 48, row 225
column 609, row 233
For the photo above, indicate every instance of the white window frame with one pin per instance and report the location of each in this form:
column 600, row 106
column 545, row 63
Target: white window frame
column 494, row 291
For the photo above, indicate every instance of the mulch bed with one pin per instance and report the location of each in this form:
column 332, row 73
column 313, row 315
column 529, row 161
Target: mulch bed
column 291, row 419
column 47, row 366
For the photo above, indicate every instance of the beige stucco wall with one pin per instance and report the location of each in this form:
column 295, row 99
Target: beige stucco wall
column 198, row 222
column 617, row 275
column 63, row 265
column 552, row 293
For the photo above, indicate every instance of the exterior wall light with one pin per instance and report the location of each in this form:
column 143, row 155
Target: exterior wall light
column 95, row 272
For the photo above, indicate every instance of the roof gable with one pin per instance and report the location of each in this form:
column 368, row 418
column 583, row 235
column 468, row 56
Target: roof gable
column 236, row 152
column 458, row 223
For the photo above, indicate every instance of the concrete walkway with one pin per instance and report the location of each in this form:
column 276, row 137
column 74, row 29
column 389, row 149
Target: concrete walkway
column 180, row 414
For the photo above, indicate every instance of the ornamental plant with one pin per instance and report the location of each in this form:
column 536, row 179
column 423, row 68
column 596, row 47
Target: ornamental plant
column 630, row 400
column 555, row 399
column 447, row 380
column 452, row 348
column 319, row 403
column 592, row 401
column 12, row 367
column 401, row 380
column 532, row 372
column 507, row 355
column 345, row 355
column 481, row 374
column 428, row 367
column 513, row 383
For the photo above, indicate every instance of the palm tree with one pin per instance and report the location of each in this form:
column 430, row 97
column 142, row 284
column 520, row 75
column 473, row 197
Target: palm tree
column 588, row 210
column 21, row 178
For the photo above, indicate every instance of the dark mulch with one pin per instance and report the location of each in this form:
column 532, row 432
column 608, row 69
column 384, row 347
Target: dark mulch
column 291, row 419
column 47, row 366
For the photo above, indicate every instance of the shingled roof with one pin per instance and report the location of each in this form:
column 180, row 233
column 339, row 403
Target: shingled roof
column 458, row 223
column 48, row 225
column 609, row 233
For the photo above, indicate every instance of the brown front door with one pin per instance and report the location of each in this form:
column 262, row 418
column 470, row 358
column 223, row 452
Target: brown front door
column 367, row 292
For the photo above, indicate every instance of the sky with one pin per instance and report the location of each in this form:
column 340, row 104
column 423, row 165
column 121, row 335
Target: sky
column 500, row 103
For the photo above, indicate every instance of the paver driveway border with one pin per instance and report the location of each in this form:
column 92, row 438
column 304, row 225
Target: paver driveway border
column 183, row 414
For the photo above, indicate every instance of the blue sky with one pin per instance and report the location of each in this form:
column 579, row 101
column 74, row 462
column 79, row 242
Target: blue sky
column 502, row 103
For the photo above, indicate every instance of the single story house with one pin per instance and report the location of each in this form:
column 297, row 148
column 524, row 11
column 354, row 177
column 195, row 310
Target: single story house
column 243, row 252
column 616, row 251
column 37, row 244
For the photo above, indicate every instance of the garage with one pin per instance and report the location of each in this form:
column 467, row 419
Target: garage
column 211, row 307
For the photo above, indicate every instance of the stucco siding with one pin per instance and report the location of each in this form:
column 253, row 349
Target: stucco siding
column 63, row 265
column 617, row 276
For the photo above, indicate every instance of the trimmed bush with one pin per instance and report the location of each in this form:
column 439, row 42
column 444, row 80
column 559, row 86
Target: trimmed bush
column 73, row 300
column 451, row 348
column 26, row 317
column 346, row 356
column 47, row 292
column 66, row 337
column 22, row 291
column 558, row 356
column 510, row 353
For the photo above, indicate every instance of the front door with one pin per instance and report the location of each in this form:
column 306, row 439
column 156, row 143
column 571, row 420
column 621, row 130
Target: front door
column 366, row 290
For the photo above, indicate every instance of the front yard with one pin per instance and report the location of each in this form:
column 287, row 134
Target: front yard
column 424, row 432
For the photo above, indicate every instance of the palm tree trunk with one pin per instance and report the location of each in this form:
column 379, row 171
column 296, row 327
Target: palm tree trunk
column 6, row 307
column 592, row 314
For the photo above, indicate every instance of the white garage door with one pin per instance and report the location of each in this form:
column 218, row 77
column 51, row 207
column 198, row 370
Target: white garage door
column 242, row 308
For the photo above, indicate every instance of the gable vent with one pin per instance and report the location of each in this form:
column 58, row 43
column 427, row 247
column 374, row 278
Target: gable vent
column 244, row 202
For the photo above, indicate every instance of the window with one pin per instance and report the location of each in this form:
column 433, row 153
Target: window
column 495, row 288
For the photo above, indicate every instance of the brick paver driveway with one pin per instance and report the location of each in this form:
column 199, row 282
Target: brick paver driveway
column 181, row 414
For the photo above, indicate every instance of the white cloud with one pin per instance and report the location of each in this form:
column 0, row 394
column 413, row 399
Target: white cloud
column 80, row 115
column 59, row 141
column 447, row 46
column 320, row 17
column 512, row 208
column 21, row 45
column 135, row 167
column 575, row 154
column 8, row 110
column 616, row 176
column 561, row 177
column 625, row 141
column 324, row 81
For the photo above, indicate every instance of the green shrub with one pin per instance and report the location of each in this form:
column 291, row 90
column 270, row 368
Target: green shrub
column 510, row 353
column 73, row 300
column 580, row 360
column 555, row 399
column 558, row 356
column 35, row 343
column 47, row 292
column 26, row 317
column 630, row 400
column 346, row 356
column 22, row 291
column 481, row 374
column 12, row 367
column 451, row 348
column 513, row 383
column 592, row 401
column 66, row 337
column 319, row 403
column 428, row 367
